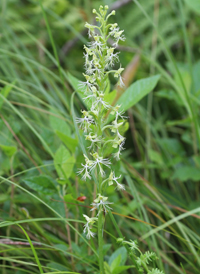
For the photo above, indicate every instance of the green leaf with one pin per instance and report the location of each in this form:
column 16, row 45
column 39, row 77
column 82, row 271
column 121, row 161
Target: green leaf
column 106, row 247
column 155, row 156
column 42, row 184
column 110, row 96
column 107, row 269
column 4, row 197
column 171, row 145
column 69, row 198
column 185, row 173
column 62, row 155
column 120, row 269
column 196, row 77
column 5, row 91
column 194, row 5
column 137, row 91
column 116, row 262
column 8, row 150
column 63, row 181
column 70, row 143
column 64, row 162
column 120, row 251
column 170, row 95
column 59, row 125
column 57, row 266
column 75, row 83
column 186, row 78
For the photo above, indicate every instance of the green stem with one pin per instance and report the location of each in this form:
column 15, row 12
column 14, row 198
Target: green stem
column 100, row 241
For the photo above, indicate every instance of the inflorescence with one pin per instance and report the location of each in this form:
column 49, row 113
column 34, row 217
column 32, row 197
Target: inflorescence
column 99, row 62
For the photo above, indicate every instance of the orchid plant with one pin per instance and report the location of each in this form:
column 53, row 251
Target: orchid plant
column 99, row 64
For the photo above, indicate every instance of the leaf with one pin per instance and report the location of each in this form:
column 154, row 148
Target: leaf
column 4, row 197
column 155, row 156
column 75, row 83
column 171, row 145
column 185, row 173
column 170, row 95
column 107, row 269
column 42, row 184
column 194, row 5
column 186, row 78
column 68, row 198
column 8, row 150
column 137, row 91
column 63, row 181
column 106, row 247
column 59, row 125
column 110, row 96
column 196, row 77
column 5, row 91
column 120, row 251
column 57, row 267
column 70, row 143
column 120, row 269
column 62, row 155
column 64, row 162
column 116, row 262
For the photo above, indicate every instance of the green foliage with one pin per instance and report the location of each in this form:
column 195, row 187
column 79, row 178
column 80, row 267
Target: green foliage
column 64, row 162
column 194, row 5
column 137, row 91
column 40, row 149
column 42, row 184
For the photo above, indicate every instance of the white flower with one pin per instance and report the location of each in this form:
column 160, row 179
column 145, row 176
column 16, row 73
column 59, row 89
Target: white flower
column 85, row 122
column 85, row 84
column 111, row 57
column 87, row 226
column 102, row 102
column 93, row 139
column 88, row 83
column 91, row 29
column 118, row 113
column 121, row 138
column 98, row 161
column 120, row 186
column 89, row 220
column 84, row 169
column 121, row 144
column 120, row 82
column 117, row 34
column 116, row 155
column 115, row 126
column 113, row 178
column 101, row 201
column 96, row 43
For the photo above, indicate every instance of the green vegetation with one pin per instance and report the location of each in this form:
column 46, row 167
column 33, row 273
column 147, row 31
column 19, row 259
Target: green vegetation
column 153, row 226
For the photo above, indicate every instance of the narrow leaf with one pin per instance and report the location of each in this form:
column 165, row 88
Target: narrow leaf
column 137, row 91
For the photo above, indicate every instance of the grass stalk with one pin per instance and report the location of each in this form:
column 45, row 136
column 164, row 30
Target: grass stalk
column 100, row 241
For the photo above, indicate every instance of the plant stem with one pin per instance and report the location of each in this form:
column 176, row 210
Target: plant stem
column 100, row 241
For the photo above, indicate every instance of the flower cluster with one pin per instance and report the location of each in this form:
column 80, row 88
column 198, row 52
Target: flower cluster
column 89, row 223
column 99, row 64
